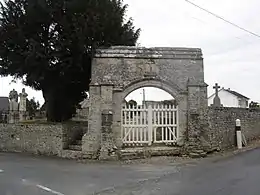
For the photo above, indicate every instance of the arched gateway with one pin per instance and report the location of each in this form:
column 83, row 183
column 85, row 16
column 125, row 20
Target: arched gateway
column 117, row 71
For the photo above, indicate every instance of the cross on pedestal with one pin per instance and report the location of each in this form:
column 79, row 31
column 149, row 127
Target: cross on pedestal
column 216, row 87
column 216, row 100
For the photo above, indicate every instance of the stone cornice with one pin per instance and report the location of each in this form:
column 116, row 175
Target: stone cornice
column 149, row 53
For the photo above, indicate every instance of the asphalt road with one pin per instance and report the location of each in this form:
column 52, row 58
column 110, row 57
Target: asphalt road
column 27, row 175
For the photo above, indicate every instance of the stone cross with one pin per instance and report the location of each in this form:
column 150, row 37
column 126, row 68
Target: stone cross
column 216, row 100
column 216, row 87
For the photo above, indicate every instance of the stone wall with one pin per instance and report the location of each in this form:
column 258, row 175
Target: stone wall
column 73, row 131
column 222, row 125
column 82, row 114
column 121, row 66
column 47, row 139
column 33, row 138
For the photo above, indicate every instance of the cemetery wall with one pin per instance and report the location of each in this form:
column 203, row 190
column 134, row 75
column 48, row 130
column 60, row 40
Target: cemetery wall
column 222, row 125
column 31, row 138
column 73, row 131
column 43, row 139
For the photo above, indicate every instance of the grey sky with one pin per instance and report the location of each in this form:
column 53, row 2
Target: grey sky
column 151, row 93
column 230, row 55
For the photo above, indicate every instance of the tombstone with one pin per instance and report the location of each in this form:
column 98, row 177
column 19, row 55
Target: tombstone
column 216, row 100
column 22, row 105
column 13, row 106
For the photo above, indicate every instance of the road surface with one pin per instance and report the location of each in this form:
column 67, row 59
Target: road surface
column 27, row 175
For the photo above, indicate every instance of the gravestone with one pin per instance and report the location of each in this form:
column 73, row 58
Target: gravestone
column 13, row 106
column 22, row 105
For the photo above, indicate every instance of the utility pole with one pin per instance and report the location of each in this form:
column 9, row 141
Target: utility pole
column 143, row 96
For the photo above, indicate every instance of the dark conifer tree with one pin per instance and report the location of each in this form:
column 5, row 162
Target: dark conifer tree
column 49, row 44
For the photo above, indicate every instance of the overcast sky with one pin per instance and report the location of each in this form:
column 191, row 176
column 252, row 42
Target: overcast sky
column 231, row 56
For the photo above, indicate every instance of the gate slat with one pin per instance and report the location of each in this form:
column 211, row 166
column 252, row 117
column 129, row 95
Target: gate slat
column 154, row 128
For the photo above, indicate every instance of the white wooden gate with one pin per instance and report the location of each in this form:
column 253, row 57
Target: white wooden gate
column 144, row 125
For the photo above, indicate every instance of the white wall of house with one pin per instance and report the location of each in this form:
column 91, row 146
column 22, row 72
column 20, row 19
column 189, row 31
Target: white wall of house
column 228, row 100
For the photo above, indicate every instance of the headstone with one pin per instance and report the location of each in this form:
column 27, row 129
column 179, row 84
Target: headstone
column 13, row 107
column 22, row 105
column 23, row 97
column 216, row 100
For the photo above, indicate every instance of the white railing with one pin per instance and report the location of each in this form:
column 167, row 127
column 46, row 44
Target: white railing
column 149, row 124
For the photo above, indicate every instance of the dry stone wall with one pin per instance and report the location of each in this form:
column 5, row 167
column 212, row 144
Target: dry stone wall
column 36, row 138
column 221, row 131
column 45, row 139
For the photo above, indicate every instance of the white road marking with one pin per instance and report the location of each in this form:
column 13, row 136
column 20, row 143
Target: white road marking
column 48, row 190
column 1, row 171
column 42, row 187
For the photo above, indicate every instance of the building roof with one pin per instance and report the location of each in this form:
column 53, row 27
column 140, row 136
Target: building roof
column 232, row 92
column 4, row 104
column 237, row 94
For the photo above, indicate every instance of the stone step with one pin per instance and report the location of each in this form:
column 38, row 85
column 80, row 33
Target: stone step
column 146, row 152
column 77, row 155
column 75, row 147
column 131, row 156
column 72, row 154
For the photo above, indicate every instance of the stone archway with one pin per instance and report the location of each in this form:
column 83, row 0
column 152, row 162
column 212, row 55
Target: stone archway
column 172, row 89
column 150, row 122
column 170, row 129
column 116, row 71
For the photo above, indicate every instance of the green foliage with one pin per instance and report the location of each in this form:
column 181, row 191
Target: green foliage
column 50, row 43
column 32, row 107
column 254, row 105
column 132, row 103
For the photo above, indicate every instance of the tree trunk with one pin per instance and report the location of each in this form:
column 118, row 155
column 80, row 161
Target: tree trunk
column 58, row 108
column 51, row 106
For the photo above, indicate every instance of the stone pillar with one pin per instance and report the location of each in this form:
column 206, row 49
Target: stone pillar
column 101, row 98
column 197, row 117
column 182, row 117
column 90, row 141
column 117, row 106
column 107, row 151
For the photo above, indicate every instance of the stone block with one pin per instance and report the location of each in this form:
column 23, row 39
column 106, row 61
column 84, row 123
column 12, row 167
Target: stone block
column 194, row 155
